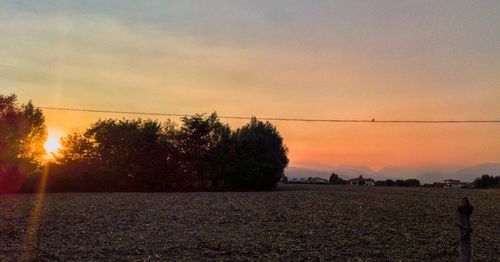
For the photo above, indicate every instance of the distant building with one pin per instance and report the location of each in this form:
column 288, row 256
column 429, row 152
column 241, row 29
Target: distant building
column 310, row 180
column 317, row 180
column 452, row 183
column 360, row 181
column 294, row 180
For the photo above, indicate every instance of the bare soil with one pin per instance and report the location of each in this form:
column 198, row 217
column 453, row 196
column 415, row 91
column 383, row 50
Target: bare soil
column 294, row 223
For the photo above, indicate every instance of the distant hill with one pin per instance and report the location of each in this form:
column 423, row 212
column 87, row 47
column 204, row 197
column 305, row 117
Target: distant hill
column 295, row 172
column 344, row 171
column 469, row 173
column 426, row 174
column 431, row 177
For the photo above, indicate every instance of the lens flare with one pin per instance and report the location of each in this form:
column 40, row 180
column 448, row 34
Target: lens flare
column 33, row 228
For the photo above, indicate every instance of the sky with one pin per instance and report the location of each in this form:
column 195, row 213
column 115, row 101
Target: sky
column 388, row 60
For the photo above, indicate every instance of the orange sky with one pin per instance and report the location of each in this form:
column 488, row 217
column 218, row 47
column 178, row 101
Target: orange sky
column 362, row 60
column 376, row 145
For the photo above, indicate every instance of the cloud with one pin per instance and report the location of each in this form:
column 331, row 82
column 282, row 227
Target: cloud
column 276, row 60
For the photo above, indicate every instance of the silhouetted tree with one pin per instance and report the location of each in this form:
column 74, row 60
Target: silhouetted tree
column 486, row 181
column 22, row 135
column 361, row 181
column 76, row 147
column 205, row 147
column 400, row 182
column 125, row 155
column 76, row 167
column 261, row 156
column 335, row 179
column 389, row 182
column 412, row 182
column 144, row 155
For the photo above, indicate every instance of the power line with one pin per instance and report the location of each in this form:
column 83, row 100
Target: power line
column 275, row 118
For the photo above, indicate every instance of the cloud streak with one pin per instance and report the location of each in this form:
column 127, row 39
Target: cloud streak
column 390, row 60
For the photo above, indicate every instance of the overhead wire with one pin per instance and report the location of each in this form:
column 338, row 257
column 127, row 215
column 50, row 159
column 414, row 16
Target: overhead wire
column 373, row 120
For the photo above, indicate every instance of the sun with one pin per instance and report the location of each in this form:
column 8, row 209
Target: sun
column 52, row 144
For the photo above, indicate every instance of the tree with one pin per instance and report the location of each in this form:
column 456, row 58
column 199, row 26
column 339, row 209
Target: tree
column 76, row 147
column 144, row 155
column 205, row 151
column 22, row 135
column 486, row 181
column 123, row 154
column 335, row 179
column 261, row 156
column 412, row 182
column 390, row 182
column 400, row 182
column 361, row 181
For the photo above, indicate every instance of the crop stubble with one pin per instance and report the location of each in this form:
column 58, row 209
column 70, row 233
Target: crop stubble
column 295, row 223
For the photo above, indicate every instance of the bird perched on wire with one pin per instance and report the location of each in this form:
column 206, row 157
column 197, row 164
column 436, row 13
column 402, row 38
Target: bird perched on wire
column 373, row 119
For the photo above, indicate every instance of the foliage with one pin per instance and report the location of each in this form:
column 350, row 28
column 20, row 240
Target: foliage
column 22, row 134
column 361, row 181
column 336, row 179
column 127, row 155
column 260, row 156
column 145, row 155
column 139, row 155
column 205, row 147
column 412, row 182
column 487, row 181
column 401, row 183
column 390, row 182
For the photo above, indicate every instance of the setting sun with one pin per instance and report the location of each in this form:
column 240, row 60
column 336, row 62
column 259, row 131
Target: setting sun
column 52, row 144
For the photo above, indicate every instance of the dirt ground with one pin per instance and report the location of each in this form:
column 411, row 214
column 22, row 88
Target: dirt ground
column 294, row 223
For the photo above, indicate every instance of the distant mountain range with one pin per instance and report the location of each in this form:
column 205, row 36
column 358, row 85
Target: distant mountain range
column 426, row 174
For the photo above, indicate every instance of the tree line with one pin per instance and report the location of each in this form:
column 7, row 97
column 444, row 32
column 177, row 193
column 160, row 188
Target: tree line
column 485, row 181
column 337, row 180
column 201, row 153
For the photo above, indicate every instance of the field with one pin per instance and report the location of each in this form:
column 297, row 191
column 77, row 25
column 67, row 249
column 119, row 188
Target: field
column 294, row 223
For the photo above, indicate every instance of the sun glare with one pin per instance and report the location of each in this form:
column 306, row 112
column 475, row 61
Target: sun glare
column 52, row 144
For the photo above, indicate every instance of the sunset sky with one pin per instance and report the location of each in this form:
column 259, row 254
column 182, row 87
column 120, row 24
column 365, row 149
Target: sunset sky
column 388, row 60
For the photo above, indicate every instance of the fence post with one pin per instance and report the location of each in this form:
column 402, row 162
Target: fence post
column 465, row 211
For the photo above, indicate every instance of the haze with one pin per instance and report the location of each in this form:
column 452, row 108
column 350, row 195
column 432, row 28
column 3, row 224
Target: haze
column 397, row 60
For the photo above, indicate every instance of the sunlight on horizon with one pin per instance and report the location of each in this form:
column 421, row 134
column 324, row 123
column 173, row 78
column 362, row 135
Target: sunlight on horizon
column 52, row 144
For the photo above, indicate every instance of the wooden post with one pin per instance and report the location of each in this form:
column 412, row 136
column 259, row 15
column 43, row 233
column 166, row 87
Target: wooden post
column 465, row 211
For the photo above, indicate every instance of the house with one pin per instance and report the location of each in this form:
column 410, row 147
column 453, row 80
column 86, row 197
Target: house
column 317, row 180
column 360, row 181
column 299, row 180
column 452, row 183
